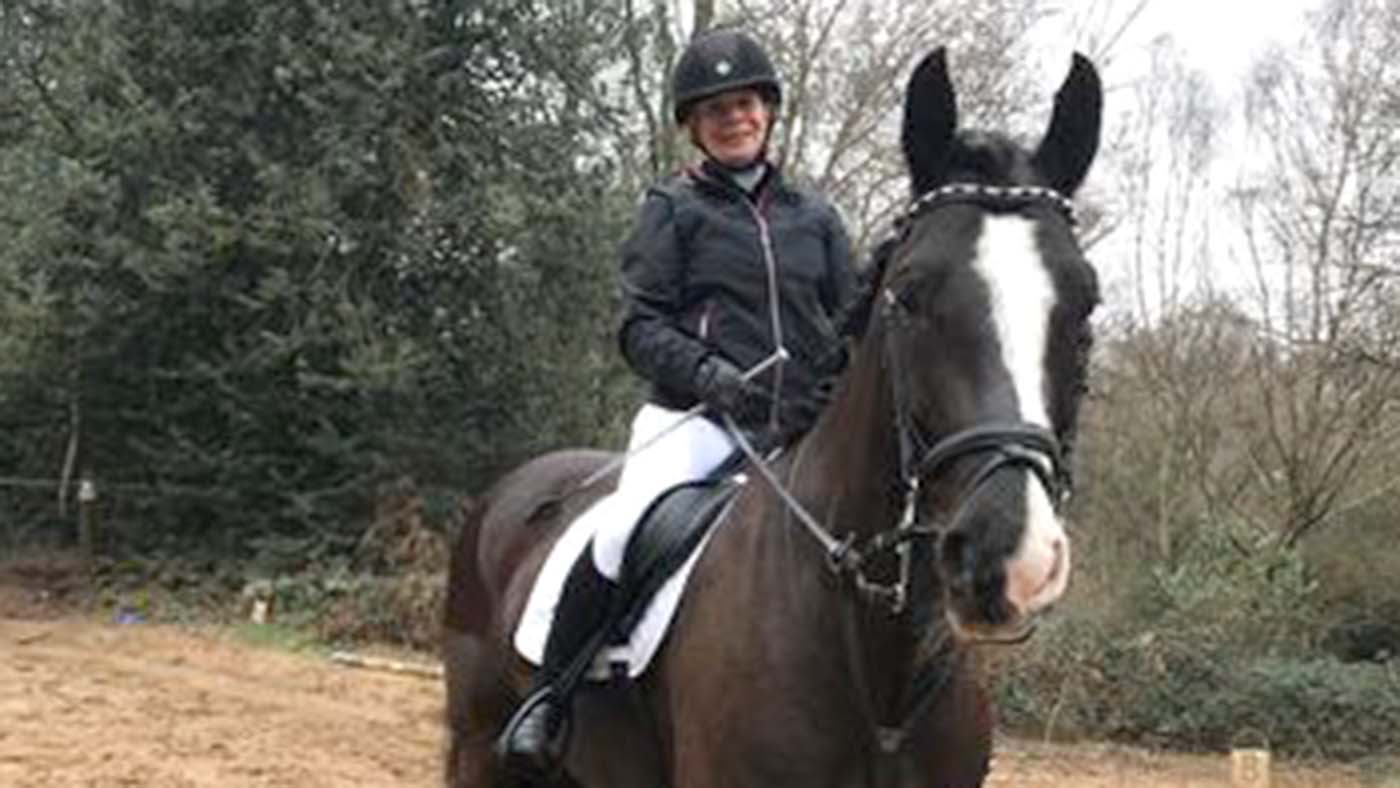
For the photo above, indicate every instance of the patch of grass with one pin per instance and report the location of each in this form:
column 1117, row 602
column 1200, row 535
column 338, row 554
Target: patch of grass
column 1380, row 771
column 280, row 637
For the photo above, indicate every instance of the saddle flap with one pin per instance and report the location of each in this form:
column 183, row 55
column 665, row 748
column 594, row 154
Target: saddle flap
column 669, row 531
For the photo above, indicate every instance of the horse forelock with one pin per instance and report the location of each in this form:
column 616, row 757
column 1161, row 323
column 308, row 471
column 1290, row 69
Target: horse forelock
column 974, row 157
column 989, row 158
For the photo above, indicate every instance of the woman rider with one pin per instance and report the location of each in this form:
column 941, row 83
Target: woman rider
column 728, row 267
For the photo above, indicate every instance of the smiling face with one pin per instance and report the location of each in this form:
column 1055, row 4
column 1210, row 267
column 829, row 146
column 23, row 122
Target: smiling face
column 732, row 127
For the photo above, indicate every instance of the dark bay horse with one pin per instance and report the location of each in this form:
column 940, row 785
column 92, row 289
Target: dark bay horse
column 825, row 640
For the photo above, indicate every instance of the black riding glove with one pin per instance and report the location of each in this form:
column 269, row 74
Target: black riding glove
column 720, row 385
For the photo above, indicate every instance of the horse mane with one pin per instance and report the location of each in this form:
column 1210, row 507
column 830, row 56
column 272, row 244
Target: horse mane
column 854, row 318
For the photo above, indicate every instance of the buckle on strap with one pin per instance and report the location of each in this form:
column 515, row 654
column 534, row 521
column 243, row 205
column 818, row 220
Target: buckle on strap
column 843, row 558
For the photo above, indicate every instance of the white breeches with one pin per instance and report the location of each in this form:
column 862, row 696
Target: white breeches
column 688, row 452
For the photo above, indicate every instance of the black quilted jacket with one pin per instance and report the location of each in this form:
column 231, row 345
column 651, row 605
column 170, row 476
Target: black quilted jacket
column 696, row 280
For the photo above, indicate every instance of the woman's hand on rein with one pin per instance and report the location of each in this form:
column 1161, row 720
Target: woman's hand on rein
column 722, row 386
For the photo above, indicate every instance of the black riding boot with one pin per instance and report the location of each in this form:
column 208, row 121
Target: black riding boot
column 536, row 737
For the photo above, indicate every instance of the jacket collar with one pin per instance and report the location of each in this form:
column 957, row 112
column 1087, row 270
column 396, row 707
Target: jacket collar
column 712, row 177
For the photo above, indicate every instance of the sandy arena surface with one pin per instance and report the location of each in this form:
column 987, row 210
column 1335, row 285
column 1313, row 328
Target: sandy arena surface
column 87, row 702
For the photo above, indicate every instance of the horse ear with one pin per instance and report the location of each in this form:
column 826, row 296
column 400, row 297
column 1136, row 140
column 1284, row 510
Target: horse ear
column 930, row 118
column 1068, row 148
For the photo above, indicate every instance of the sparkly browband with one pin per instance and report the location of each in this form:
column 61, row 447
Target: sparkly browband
column 994, row 198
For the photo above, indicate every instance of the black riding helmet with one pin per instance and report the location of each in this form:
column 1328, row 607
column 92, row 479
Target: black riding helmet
column 718, row 61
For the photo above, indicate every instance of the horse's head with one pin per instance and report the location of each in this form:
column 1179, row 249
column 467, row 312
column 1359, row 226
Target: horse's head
column 984, row 323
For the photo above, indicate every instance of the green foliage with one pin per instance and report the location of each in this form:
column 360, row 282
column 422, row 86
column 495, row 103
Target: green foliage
column 1087, row 681
column 388, row 588
column 1223, row 591
column 1355, row 560
column 1193, row 696
column 1223, row 644
column 266, row 256
column 277, row 636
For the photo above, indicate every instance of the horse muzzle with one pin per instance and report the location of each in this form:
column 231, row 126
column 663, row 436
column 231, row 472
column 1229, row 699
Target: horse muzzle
column 996, row 595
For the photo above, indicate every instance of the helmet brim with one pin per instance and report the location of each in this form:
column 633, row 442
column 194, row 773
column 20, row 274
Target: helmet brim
column 770, row 90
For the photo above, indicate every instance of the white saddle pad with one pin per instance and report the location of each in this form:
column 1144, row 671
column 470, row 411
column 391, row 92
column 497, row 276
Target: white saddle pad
column 646, row 637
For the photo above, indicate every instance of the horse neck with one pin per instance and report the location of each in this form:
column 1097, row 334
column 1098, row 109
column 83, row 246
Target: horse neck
column 846, row 473
column 850, row 460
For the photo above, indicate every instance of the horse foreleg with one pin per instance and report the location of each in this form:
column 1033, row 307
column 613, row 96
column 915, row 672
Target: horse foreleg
column 469, row 762
column 478, row 705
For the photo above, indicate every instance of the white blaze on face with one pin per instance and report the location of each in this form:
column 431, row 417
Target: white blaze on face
column 1022, row 297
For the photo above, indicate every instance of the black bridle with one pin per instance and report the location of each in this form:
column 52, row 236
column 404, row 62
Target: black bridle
column 1001, row 445
column 996, row 199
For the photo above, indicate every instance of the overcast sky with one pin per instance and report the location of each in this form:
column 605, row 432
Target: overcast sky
column 1221, row 36
column 1218, row 37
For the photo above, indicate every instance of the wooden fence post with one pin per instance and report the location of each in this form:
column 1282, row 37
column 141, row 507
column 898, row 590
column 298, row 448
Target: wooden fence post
column 87, row 497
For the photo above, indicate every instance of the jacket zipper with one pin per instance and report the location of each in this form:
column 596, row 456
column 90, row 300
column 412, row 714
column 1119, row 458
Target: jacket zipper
column 765, row 240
